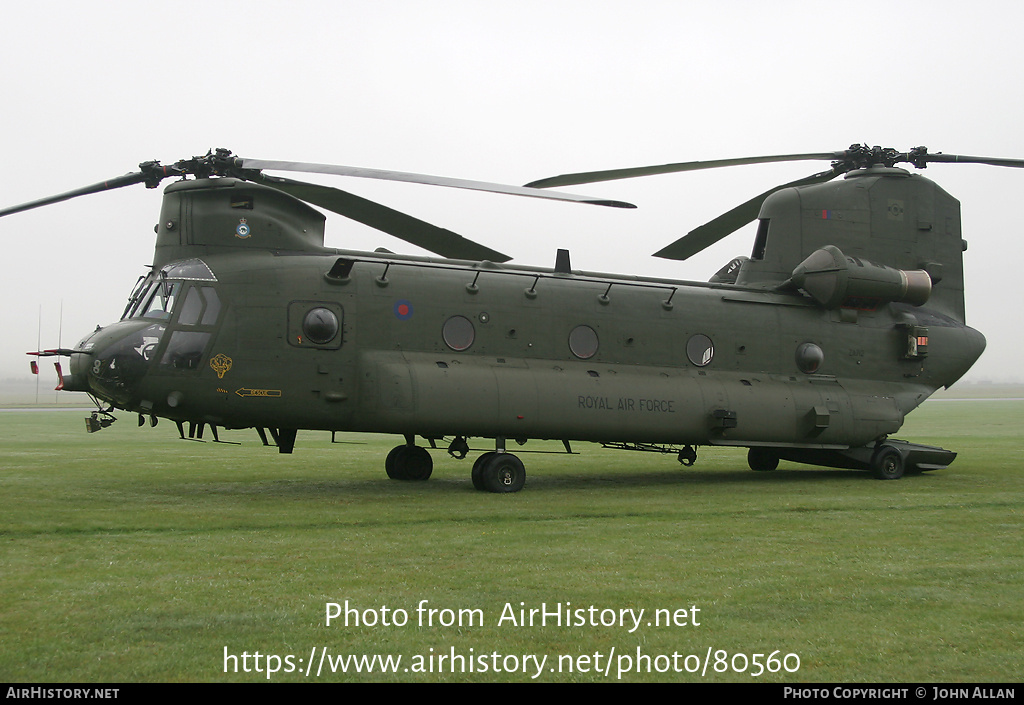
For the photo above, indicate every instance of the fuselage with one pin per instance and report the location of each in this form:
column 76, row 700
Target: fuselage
column 355, row 341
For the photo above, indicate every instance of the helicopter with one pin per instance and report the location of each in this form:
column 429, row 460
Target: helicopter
column 846, row 316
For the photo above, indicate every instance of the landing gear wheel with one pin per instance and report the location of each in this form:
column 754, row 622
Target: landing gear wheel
column 887, row 464
column 502, row 472
column 409, row 463
column 762, row 460
column 478, row 470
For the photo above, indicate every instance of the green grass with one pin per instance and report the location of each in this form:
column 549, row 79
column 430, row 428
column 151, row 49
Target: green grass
column 129, row 555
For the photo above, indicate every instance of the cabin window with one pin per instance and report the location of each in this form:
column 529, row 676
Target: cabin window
column 458, row 333
column 316, row 325
column 700, row 350
column 809, row 358
column 583, row 342
column 321, row 325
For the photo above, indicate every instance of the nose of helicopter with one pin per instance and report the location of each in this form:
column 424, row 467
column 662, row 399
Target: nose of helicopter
column 111, row 362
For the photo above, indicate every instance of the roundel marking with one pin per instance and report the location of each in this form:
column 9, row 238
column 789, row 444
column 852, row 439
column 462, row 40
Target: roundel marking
column 403, row 310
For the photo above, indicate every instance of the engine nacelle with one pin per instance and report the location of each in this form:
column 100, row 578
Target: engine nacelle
column 837, row 281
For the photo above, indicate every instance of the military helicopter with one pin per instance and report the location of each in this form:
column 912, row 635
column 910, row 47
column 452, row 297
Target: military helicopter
column 847, row 315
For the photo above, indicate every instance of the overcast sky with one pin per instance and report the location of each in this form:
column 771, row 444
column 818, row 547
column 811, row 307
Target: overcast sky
column 507, row 92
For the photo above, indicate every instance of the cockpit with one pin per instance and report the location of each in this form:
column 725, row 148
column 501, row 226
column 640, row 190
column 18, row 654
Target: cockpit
column 156, row 295
column 167, row 326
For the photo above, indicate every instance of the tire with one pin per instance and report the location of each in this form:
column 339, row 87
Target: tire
column 478, row 470
column 391, row 463
column 409, row 463
column 888, row 463
column 503, row 473
column 762, row 460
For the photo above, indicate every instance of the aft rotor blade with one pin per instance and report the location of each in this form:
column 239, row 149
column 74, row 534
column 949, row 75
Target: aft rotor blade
column 425, row 179
column 406, row 227
column 120, row 181
column 588, row 177
column 729, row 222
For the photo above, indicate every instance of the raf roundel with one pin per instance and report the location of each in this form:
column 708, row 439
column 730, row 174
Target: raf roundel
column 403, row 310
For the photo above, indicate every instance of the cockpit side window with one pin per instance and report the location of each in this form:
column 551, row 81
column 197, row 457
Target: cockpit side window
column 197, row 310
column 185, row 350
column 192, row 308
column 212, row 306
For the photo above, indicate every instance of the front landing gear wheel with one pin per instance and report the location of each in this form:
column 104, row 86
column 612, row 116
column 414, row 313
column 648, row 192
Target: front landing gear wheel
column 409, row 463
column 762, row 460
column 887, row 464
column 500, row 472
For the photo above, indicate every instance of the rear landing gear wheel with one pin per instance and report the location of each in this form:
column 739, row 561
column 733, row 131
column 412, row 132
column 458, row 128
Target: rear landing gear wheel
column 478, row 470
column 762, row 460
column 409, row 463
column 887, row 464
column 500, row 472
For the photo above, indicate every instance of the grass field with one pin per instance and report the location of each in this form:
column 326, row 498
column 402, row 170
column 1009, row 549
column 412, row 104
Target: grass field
column 130, row 555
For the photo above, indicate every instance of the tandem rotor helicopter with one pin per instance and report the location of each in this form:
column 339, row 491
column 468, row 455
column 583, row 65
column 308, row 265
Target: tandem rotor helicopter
column 847, row 315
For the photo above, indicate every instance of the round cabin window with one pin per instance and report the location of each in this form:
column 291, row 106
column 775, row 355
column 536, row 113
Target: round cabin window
column 320, row 325
column 583, row 342
column 458, row 333
column 700, row 350
column 809, row 358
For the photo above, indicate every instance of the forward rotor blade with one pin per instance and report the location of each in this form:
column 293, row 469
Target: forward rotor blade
column 425, row 179
column 961, row 159
column 588, row 177
column 729, row 222
column 406, row 227
column 120, row 181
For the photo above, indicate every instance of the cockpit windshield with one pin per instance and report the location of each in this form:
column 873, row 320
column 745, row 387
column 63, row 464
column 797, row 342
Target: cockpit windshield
column 156, row 294
column 160, row 302
column 154, row 297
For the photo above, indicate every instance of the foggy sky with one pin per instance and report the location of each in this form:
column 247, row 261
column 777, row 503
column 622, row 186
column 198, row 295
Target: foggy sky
column 506, row 92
